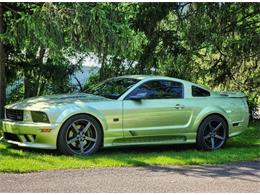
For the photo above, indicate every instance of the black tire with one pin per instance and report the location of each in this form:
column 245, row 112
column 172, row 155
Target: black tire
column 80, row 135
column 212, row 133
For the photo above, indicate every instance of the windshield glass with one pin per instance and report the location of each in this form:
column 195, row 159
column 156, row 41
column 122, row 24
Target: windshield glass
column 113, row 88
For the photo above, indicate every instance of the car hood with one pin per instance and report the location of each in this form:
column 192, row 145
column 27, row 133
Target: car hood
column 46, row 102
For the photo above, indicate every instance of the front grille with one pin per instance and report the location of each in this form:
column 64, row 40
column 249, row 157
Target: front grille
column 15, row 115
column 11, row 137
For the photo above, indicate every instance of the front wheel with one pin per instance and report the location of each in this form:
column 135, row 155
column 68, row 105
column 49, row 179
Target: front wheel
column 212, row 133
column 80, row 135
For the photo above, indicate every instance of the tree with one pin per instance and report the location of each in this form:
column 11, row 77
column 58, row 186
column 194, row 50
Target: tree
column 50, row 31
column 224, row 41
column 2, row 64
column 215, row 44
column 29, row 47
column 148, row 21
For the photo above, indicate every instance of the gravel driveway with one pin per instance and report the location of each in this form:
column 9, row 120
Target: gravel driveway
column 233, row 177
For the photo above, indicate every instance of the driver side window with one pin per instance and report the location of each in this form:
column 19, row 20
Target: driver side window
column 159, row 89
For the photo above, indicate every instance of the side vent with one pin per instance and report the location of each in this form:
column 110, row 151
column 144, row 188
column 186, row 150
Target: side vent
column 235, row 124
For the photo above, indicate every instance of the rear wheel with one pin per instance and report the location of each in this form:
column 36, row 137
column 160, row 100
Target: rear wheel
column 212, row 133
column 80, row 135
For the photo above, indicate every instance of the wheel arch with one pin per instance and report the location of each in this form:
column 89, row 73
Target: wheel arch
column 200, row 140
column 214, row 114
column 209, row 112
column 87, row 114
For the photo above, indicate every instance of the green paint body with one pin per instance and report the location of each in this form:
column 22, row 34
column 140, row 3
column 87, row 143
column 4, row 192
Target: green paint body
column 138, row 122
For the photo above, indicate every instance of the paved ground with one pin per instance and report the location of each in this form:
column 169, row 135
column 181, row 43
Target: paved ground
column 234, row 177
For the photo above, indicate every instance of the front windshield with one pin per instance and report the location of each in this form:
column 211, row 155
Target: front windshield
column 113, row 88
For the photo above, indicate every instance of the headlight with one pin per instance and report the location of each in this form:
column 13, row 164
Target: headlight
column 39, row 117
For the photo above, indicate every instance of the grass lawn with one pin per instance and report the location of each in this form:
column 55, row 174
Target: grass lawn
column 240, row 148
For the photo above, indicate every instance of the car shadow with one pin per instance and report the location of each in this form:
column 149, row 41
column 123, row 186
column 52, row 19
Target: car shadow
column 239, row 170
column 149, row 148
column 248, row 171
column 30, row 150
column 114, row 150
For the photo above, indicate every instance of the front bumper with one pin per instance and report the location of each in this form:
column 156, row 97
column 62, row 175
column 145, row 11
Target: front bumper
column 29, row 134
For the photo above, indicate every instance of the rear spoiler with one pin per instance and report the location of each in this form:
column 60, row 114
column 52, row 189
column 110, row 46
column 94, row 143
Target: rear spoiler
column 233, row 94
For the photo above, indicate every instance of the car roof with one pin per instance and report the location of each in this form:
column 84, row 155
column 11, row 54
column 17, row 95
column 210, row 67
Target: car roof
column 148, row 77
column 139, row 77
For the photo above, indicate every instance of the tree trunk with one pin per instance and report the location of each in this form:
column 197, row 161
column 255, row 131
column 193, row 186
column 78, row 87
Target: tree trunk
column 147, row 60
column 29, row 87
column 102, row 73
column 2, row 65
column 42, row 86
column 32, row 78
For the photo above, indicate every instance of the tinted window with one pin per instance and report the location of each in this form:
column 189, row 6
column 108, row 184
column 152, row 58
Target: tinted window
column 159, row 89
column 198, row 92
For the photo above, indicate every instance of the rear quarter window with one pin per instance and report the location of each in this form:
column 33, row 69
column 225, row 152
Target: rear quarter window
column 199, row 92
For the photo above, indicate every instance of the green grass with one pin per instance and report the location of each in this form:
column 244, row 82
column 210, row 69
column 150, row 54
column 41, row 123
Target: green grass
column 241, row 148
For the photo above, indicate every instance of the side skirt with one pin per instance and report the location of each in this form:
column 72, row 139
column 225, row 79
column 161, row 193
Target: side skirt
column 151, row 140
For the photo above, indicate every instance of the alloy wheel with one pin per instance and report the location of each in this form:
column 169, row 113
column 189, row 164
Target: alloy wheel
column 81, row 136
column 214, row 135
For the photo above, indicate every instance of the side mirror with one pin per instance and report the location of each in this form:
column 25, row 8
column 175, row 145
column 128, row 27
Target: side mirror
column 137, row 97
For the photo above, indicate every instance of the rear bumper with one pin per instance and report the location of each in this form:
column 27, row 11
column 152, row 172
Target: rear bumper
column 29, row 134
column 238, row 129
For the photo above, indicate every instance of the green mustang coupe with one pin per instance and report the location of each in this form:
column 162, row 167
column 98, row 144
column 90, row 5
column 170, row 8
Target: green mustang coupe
column 127, row 110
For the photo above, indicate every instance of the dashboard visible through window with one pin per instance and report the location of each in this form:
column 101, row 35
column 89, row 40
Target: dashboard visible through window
column 199, row 92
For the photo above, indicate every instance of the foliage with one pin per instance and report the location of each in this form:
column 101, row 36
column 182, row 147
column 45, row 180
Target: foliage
column 214, row 44
column 17, row 93
column 32, row 41
column 225, row 46
column 39, row 36
column 92, row 82
column 240, row 148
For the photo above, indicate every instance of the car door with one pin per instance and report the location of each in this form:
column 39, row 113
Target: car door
column 155, row 108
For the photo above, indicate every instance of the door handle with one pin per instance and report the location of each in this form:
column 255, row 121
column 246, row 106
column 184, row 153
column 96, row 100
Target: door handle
column 178, row 106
